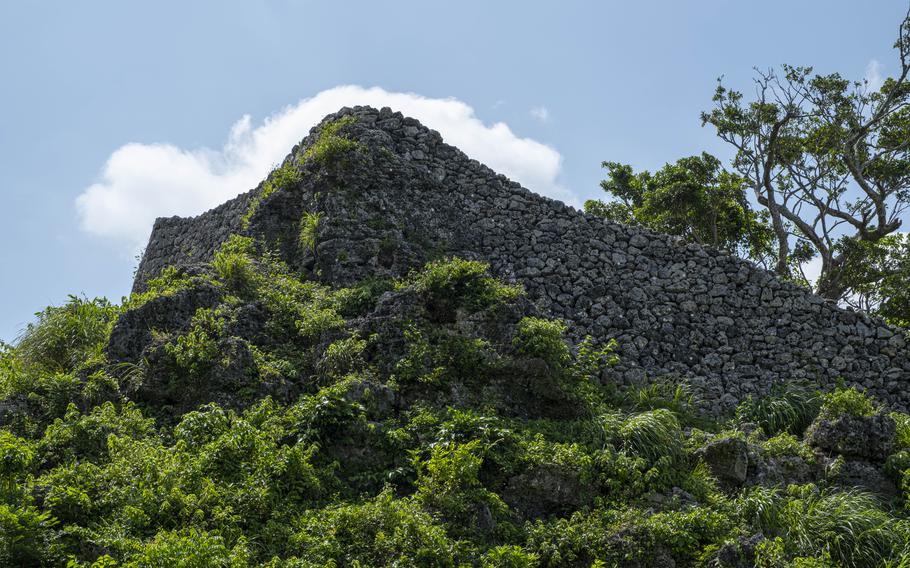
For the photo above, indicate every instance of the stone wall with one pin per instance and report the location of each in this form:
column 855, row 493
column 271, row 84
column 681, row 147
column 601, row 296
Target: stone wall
column 184, row 241
column 679, row 311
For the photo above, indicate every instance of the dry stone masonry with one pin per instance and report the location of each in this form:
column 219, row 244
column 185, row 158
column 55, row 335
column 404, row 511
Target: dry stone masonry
column 678, row 311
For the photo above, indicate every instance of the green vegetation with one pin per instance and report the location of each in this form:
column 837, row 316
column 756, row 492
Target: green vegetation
column 455, row 283
column 309, row 228
column 847, row 402
column 331, row 146
column 68, row 337
column 694, row 198
column 827, row 164
column 288, row 425
column 789, row 409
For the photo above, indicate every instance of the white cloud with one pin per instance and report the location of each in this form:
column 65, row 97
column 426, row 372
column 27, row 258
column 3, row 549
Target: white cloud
column 140, row 182
column 874, row 77
column 541, row 113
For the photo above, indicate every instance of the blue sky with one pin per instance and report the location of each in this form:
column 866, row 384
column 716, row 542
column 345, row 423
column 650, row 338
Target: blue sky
column 132, row 105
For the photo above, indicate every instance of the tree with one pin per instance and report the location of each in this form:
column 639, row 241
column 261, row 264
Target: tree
column 829, row 161
column 878, row 274
column 694, row 198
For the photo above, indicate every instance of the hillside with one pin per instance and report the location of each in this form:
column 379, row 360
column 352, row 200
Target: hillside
column 388, row 355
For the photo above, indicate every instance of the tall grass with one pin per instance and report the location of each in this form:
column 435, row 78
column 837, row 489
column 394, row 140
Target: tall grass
column 65, row 337
column 850, row 525
column 652, row 435
column 789, row 409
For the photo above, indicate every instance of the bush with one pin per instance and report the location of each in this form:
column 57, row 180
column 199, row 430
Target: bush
column 902, row 433
column 197, row 350
column 282, row 177
column 170, row 281
column 686, row 534
column 28, row 538
column 84, row 436
column 313, row 322
column 788, row 445
column 383, row 531
column 456, row 283
column 309, row 228
column 189, row 548
column 235, row 270
column 357, row 300
column 331, row 146
column 342, row 357
column 508, row 556
column 847, row 402
column 543, row 338
column 67, row 337
column 16, row 457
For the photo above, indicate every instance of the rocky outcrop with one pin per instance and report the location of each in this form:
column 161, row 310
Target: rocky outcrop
column 678, row 310
column 728, row 460
column 859, row 437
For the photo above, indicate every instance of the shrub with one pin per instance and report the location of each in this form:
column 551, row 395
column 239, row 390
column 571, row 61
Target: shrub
column 197, row 350
column 331, row 146
column 687, row 533
column 449, row 482
column 28, row 537
column 314, row 321
column 456, row 283
column 67, row 337
column 309, row 229
column 508, row 556
column 203, row 426
column 16, row 457
column 788, row 445
column 543, row 338
column 84, row 436
column 170, row 281
column 582, row 378
column 342, row 357
column 189, row 548
column 383, row 531
column 902, row 433
column 452, row 468
column 847, row 402
column 357, row 300
column 12, row 375
column 235, row 270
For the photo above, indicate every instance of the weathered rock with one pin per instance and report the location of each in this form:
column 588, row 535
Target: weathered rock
column 547, row 490
column 133, row 331
column 781, row 471
column 869, row 437
column 852, row 474
column 739, row 553
column 727, row 458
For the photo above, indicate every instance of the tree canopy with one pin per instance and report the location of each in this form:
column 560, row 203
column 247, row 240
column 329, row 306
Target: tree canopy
column 827, row 163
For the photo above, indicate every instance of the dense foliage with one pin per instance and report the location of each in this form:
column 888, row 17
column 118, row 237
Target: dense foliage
column 433, row 421
column 695, row 198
